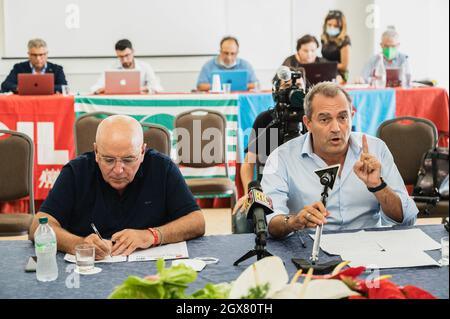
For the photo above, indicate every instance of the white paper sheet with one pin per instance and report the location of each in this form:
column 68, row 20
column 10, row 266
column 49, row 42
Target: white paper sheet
column 169, row 251
column 389, row 259
column 382, row 249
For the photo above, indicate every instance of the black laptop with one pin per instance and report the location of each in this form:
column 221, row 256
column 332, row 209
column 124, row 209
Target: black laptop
column 320, row 72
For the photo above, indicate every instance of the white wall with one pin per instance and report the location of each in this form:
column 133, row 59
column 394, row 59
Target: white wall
column 268, row 30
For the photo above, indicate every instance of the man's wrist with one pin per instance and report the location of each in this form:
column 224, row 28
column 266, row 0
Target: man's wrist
column 379, row 187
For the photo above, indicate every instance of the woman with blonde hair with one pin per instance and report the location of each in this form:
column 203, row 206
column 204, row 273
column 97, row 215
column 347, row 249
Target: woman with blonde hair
column 335, row 41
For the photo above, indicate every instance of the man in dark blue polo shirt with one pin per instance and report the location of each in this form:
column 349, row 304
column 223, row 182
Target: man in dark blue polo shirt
column 137, row 198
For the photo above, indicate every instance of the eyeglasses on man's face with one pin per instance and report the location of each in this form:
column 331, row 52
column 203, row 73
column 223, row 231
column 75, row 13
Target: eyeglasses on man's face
column 37, row 55
column 112, row 161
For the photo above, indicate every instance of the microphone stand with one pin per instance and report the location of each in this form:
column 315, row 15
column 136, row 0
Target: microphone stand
column 327, row 178
column 259, row 250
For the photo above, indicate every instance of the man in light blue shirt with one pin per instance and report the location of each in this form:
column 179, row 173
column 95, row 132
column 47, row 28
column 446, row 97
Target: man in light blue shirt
column 368, row 190
column 226, row 60
column 392, row 58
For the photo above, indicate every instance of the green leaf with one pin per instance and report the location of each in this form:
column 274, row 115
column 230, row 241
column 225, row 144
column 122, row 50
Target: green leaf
column 211, row 291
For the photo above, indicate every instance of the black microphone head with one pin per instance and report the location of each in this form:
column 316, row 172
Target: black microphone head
column 325, row 179
column 254, row 184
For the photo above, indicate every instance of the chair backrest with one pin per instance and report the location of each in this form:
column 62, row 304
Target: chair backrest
column 157, row 137
column 200, row 136
column 16, row 168
column 408, row 139
column 86, row 129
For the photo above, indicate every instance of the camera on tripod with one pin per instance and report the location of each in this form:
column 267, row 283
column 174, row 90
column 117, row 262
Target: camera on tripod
column 289, row 94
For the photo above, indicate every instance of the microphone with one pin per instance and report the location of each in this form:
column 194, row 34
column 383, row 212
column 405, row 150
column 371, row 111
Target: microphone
column 258, row 206
column 284, row 73
column 325, row 179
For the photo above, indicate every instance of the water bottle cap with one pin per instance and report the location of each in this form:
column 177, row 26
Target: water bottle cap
column 43, row 220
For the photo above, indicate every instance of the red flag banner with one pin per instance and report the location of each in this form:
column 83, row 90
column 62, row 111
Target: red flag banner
column 48, row 121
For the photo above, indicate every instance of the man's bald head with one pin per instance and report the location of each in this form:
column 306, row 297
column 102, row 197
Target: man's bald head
column 119, row 130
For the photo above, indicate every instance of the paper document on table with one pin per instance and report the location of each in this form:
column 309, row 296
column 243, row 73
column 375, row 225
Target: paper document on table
column 389, row 259
column 382, row 249
column 109, row 259
column 170, row 251
column 404, row 239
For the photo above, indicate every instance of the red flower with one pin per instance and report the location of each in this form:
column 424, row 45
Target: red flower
column 413, row 292
column 385, row 290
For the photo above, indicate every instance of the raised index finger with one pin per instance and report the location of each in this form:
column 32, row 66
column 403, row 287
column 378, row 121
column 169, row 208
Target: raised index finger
column 365, row 146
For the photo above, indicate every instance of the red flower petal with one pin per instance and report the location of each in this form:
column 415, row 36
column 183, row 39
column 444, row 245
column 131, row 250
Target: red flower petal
column 413, row 292
column 385, row 290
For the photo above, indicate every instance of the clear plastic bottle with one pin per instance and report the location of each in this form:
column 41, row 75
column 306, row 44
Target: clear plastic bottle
column 406, row 74
column 379, row 74
column 45, row 247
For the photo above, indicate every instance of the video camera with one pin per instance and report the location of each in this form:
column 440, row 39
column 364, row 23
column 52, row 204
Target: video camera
column 289, row 111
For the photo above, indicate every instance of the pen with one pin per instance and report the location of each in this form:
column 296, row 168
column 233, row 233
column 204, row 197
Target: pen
column 98, row 233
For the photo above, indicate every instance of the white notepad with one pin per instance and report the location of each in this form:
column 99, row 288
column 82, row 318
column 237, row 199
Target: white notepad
column 169, row 251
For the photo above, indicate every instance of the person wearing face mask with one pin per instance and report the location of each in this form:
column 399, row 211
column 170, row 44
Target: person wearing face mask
column 226, row 60
column 335, row 41
column 306, row 53
column 392, row 58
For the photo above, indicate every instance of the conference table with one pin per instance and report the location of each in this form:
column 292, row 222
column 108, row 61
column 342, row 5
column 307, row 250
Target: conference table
column 16, row 283
column 49, row 120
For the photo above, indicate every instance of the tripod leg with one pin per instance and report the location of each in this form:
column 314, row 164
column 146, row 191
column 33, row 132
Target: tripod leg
column 248, row 255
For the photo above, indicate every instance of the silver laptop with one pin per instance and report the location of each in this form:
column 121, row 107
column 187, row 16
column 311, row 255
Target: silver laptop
column 123, row 82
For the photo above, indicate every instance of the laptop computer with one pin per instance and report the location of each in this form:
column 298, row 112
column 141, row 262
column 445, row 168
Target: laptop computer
column 237, row 78
column 35, row 84
column 320, row 72
column 123, row 82
column 393, row 77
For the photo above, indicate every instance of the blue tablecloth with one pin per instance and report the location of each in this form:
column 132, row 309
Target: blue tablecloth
column 16, row 283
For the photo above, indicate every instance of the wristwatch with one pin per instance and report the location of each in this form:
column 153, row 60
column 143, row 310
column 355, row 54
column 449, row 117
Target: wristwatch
column 379, row 187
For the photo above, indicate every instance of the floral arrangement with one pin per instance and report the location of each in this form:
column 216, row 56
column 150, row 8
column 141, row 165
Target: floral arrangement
column 267, row 278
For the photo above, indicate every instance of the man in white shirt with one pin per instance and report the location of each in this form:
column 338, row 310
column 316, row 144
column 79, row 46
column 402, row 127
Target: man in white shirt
column 126, row 61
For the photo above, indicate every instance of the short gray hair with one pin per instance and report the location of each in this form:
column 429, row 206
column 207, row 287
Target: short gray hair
column 390, row 33
column 328, row 89
column 36, row 43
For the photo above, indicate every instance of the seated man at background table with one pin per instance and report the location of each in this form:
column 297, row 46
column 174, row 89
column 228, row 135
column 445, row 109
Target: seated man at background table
column 137, row 198
column 37, row 64
column 226, row 60
column 392, row 58
column 368, row 190
column 127, row 61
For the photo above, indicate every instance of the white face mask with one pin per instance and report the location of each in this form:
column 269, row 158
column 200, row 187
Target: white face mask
column 226, row 66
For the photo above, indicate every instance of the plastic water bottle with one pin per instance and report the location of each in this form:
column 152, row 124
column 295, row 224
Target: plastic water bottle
column 379, row 80
column 45, row 247
column 406, row 74
column 216, row 86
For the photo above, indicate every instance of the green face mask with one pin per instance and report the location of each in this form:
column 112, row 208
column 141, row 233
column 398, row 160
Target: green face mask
column 390, row 53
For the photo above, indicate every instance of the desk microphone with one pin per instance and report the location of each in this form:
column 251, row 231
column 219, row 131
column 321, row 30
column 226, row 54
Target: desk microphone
column 258, row 206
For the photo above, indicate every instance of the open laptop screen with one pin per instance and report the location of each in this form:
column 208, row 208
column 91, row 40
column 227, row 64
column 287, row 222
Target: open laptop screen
column 237, row 78
column 123, row 82
column 36, row 84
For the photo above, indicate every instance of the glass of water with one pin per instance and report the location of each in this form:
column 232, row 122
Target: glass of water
column 85, row 257
column 65, row 90
column 444, row 251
